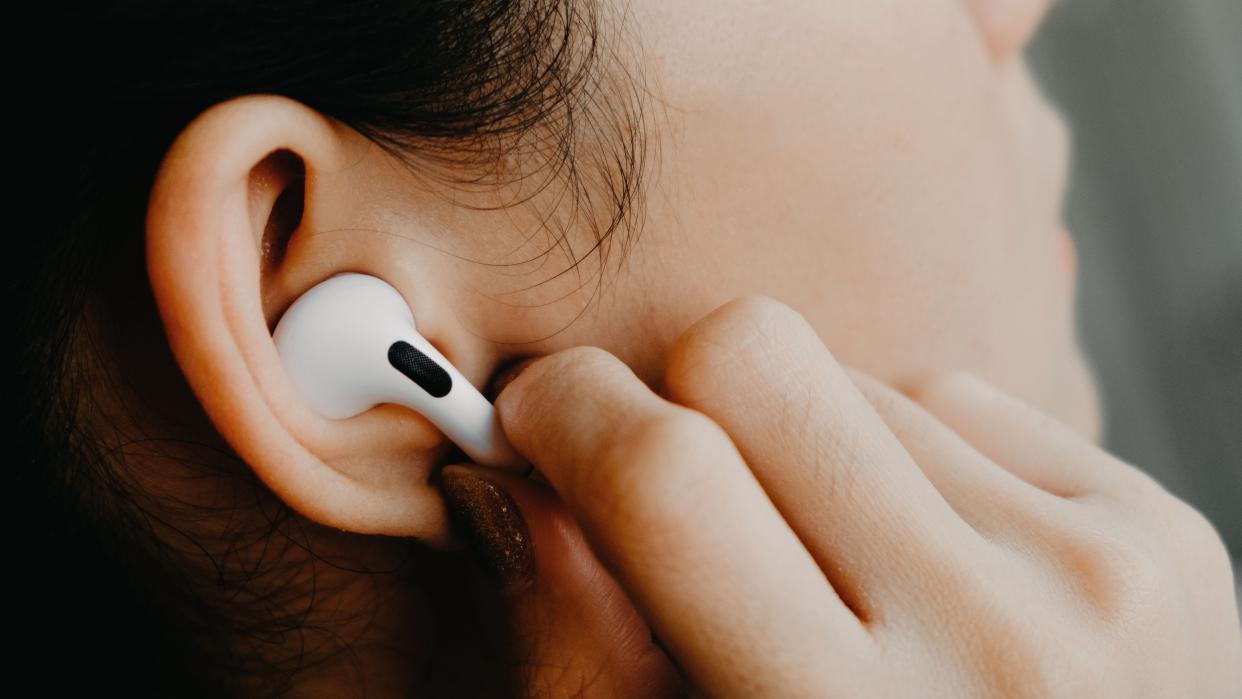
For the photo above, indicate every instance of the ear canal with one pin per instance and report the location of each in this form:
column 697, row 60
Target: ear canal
column 350, row 343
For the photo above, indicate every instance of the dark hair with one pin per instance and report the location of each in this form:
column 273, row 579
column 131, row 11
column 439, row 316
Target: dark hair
column 116, row 588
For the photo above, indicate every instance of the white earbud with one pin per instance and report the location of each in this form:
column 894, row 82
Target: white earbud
column 350, row 343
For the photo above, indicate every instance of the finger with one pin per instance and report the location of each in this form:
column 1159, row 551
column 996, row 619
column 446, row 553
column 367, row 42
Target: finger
column 670, row 507
column 826, row 459
column 573, row 632
column 988, row 497
column 1028, row 442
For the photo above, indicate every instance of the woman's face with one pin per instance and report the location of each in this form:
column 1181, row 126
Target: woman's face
column 887, row 168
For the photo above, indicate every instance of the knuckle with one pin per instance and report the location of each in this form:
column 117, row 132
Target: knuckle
column 1025, row 416
column 965, row 388
column 1062, row 672
column 1138, row 581
column 1188, row 524
column 1015, row 655
column 1183, row 529
column 657, row 469
column 567, row 368
column 1194, row 534
column 901, row 415
column 548, row 381
column 583, row 359
column 1125, row 581
column 1130, row 485
column 1028, row 670
column 760, row 319
column 932, row 389
column 1009, row 653
column 760, row 308
column 694, row 366
column 739, row 338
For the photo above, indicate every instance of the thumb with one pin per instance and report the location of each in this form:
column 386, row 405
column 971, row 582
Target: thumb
column 573, row 631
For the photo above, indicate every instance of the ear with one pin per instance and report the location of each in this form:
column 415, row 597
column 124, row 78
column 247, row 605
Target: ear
column 257, row 200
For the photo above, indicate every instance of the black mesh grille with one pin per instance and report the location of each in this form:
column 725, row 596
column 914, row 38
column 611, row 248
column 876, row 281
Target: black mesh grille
column 421, row 369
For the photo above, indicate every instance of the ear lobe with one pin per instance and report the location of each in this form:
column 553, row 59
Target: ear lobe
column 226, row 253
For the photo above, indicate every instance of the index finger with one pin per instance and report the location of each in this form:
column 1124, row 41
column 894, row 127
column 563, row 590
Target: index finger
column 671, row 508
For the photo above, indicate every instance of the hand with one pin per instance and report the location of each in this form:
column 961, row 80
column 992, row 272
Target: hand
column 790, row 528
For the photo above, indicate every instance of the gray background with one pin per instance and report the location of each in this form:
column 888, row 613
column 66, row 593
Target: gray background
column 1153, row 89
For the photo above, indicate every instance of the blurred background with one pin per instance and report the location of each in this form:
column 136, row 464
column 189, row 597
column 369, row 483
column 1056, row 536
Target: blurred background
column 1153, row 89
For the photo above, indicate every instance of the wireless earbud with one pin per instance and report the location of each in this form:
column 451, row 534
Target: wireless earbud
column 350, row 343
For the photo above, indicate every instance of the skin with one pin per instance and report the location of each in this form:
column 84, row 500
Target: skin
column 885, row 169
column 958, row 542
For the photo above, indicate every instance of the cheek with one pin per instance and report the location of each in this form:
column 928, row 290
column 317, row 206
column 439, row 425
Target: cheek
column 873, row 162
column 867, row 166
column 866, row 171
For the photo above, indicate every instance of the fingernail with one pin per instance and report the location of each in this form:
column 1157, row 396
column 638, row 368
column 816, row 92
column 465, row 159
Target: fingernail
column 487, row 517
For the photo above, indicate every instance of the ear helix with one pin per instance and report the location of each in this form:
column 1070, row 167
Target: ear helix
column 350, row 343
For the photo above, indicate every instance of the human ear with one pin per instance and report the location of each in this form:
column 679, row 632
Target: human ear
column 256, row 201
